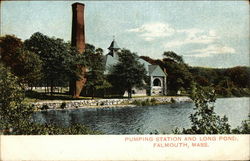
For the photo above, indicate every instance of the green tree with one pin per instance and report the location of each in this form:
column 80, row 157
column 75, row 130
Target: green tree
column 205, row 120
column 9, row 46
column 244, row 128
column 60, row 60
column 96, row 78
column 172, row 56
column 13, row 113
column 23, row 63
column 128, row 72
column 239, row 75
column 16, row 116
column 178, row 73
column 204, row 76
column 52, row 52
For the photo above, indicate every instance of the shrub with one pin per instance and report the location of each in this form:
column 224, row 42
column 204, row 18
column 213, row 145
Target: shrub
column 153, row 101
column 45, row 107
column 223, row 91
column 147, row 102
column 137, row 103
column 244, row 128
column 236, row 92
column 245, row 91
column 63, row 105
column 205, row 120
column 15, row 116
column 173, row 100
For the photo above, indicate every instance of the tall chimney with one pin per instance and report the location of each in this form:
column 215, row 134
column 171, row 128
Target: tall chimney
column 78, row 32
column 78, row 41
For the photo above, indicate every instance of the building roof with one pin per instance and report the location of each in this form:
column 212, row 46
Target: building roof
column 155, row 70
column 112, row 58
column 152, row 70
column 109, row 62
column 146, row 65
column 113, row 45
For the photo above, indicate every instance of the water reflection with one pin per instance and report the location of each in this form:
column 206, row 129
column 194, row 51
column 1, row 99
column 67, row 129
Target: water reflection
column 136, row 120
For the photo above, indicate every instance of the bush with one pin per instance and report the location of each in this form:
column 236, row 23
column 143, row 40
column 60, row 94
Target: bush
column 236, row 92
column 153, row 101
column 244, row 128
column 46, row 129
column 205, row 120
column 137, row 103
column 44, row 107
column 245, row 91
column 147, row 102
column 63, row 105
column 16, row 117
column 223, row 91
column 173, row 100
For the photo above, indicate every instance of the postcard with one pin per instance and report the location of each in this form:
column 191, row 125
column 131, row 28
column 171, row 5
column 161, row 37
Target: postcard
column 124, row 80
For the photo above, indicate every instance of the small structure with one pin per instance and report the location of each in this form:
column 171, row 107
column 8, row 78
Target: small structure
column 157, row 77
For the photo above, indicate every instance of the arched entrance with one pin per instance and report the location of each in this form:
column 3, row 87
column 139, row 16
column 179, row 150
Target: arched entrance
column 157, row 82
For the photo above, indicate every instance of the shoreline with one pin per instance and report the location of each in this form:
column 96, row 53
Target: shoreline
column 107, row 103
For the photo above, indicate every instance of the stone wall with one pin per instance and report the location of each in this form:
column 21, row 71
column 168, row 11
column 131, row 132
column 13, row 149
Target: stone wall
column 103, row 102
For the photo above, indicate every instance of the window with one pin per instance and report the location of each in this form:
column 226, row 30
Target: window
column 157, row 82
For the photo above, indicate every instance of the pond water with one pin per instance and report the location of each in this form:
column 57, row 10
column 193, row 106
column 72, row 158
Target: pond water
column 143, row 120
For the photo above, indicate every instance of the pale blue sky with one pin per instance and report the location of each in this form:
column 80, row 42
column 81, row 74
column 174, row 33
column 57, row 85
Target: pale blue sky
column 205, row 33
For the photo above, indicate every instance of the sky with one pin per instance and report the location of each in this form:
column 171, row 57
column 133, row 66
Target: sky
column 205, row 33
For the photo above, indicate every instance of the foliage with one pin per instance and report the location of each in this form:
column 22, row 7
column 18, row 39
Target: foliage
column 60, row 61
column 172, row 56
column 46, row 129
column 227, row 82
column 23, row 63
column 96, row 78
column 63, row 105
column 244, row 128
column 15, row 115
column 178, row 73
column 240, row 76
column 9, row 46
column 147, row 102
column 13, row 112
column 128, row 72
column 176, row 69
column 205, row 120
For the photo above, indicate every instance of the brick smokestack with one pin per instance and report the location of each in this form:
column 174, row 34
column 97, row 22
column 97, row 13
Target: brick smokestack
column 78, row 41
column 78, row 31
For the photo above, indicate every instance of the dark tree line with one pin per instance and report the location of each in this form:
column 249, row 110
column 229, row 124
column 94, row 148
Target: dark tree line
column 59, row 60
column 42, row 61
column 51, row 62
column 226, row 82
column 25, row 64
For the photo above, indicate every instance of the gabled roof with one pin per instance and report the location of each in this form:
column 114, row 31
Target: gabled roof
column 113, row 45
column 146, row 64
column 109, row 62
column 112, row 59
column 155, row 70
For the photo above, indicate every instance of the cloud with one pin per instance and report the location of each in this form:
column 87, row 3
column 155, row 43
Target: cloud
column 181, row 37
column 193, row 36
column 152, row 31
column 212, row 50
